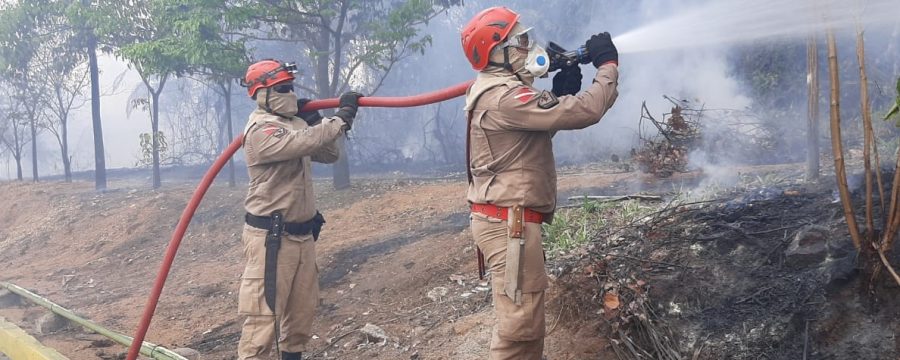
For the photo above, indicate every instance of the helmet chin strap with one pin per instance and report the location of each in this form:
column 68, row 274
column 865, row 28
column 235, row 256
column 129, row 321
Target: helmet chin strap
column 269, row 108
column 507, row 65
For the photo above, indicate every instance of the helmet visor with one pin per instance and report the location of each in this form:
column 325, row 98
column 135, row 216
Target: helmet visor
column 524, row 40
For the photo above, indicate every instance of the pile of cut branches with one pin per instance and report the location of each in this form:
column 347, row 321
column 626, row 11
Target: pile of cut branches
column 713, row 135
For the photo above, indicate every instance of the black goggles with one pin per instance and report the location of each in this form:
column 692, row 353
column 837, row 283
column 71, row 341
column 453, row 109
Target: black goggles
column 283, row 88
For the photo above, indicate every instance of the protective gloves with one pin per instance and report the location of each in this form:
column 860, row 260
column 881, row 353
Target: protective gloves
column 567, row 81
column 601, row 49
column 312, row 118
column 349, row 103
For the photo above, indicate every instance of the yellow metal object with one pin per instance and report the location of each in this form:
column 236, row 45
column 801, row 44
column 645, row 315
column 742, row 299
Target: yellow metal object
column 149, row 349
column 18, row 345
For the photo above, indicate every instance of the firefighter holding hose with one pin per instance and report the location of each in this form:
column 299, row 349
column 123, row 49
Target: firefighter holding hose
column 512, row 174
column 279, row 287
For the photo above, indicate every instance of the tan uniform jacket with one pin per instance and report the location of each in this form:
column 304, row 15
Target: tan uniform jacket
column 511, row 129
column 279, row 155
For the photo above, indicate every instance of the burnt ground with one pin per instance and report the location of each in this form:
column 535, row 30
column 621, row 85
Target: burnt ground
column 707, row 275
column 710, row 279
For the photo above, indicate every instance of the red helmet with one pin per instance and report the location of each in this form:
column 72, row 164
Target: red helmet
column 486, row 30
column 267, row 73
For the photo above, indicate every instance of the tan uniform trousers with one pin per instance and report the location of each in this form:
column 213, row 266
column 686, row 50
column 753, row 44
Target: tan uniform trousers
column 297, row 294
column 519, row 331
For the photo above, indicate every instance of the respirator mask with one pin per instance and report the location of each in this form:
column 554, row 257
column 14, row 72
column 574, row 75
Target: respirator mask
column 537, row 62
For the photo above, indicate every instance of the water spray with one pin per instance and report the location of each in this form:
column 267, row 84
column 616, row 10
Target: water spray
column 737, row 21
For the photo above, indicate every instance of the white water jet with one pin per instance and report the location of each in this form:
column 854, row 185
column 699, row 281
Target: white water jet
column 736, row 21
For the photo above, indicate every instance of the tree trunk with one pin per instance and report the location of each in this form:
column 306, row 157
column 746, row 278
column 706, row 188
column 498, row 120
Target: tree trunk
column 18, row 157
column 836, row 145
column 99, row 157
column 341, row 168
column 227, row 88
column 67, row 165
column 63, row 136
column 154, row 124
column 17, row 150
column 812, row 131
column 34, row 153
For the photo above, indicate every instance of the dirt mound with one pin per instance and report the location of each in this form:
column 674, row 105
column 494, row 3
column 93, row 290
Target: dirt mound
column 395, row 253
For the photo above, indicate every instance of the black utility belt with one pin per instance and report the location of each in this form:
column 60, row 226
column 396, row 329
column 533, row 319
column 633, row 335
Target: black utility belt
column 313, row 226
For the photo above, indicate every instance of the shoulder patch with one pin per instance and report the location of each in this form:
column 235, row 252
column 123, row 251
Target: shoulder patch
column 525, row 94
column 275, row 131
column 547, row 100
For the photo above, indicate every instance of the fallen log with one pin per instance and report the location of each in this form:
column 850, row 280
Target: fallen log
column 616, row 198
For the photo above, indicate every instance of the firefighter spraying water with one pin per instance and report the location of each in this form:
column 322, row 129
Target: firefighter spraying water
column 511, row 170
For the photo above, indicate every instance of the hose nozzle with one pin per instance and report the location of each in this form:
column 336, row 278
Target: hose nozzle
column 560, row 58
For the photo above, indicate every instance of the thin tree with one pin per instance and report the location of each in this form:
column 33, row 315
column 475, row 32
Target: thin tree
column 836, row 145
column 82, row 16
column 63, row 79
column 349, row 44
column 893, row 214
column 200, row 28
column 812, row 130
column 143, row 36
column 14, row 136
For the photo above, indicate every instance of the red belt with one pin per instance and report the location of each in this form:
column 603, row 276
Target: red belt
column 502, row 213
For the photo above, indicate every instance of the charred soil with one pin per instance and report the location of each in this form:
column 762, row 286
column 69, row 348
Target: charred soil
column 709, row 277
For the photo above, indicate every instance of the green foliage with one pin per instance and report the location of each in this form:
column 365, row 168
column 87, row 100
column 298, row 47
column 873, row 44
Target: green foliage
column 370, row 34
column 140, row 32
column 19, row 39
column 770, row 71
column 896, row 108
column 200, row 28
column 575, row 227
column 146, row 159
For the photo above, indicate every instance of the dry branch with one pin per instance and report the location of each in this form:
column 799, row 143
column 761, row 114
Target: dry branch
column 887, row 264
column 720, row 135
column 869, row 133
column 616, row 198
column 836, row 145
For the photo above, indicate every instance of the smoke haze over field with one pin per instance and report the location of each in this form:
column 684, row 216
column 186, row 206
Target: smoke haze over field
column 704, row 74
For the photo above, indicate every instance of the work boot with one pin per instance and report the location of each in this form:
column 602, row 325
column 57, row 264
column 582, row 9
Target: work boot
column 290, row 356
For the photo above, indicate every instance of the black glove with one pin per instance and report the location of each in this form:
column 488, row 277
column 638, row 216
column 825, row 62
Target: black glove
column 567, row 81
column 349, row 103
column 601, row 49
column 312, row 118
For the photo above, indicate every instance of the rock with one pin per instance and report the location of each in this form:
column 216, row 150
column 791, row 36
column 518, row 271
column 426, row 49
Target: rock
column 459, row 279
column 50, row 323
column 8, row 299
column 374, row 332
column 437, row 294
column 188, row 353
column 839, row 269
column 808, row 248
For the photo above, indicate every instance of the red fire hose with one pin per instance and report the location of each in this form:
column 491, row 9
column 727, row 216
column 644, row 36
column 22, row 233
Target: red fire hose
column 188, row 213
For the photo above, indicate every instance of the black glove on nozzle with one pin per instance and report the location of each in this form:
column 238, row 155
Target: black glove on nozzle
column 601, row 49
column 567, row 81
column 349, row 104
column 312, row 118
